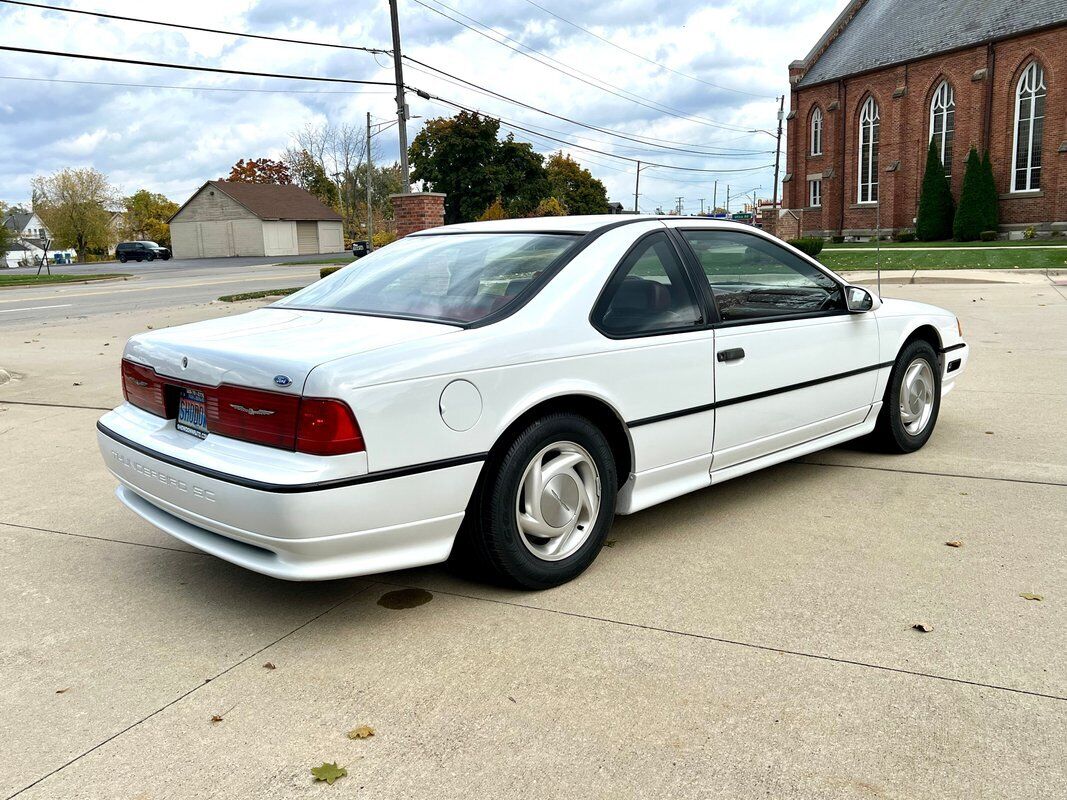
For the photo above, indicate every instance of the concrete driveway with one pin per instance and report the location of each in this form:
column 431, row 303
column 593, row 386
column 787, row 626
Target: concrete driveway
column 751, row 640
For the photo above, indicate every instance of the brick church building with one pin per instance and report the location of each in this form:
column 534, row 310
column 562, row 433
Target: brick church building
column 890, row 75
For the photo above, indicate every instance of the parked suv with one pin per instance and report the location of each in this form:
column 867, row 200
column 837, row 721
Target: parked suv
column 141, row 251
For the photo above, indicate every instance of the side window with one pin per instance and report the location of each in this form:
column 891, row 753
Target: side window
column 649, row 293
column 752, row 278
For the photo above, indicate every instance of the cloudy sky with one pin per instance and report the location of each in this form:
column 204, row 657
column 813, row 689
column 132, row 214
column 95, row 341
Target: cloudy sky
column 680, row 77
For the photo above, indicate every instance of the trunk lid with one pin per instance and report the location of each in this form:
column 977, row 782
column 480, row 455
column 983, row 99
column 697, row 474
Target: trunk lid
column 253, row 349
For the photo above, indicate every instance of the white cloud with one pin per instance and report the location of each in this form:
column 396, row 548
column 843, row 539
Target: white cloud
column 171, row 140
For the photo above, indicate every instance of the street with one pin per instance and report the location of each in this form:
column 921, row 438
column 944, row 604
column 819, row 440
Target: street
column 751, row 639
column 157, row 284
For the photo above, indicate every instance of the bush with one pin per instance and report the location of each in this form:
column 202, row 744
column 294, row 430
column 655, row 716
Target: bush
column 1029, row 233
column 972, row 213
column 812, row 245
column 382, row 238
column 328, row 271
column 837, row 239
column 989, row 195
column 495, row 210
column 934, row 219
column 904, row 236
column 988, row 236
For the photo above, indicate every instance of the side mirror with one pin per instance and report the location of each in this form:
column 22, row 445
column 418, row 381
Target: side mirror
column 859, row 300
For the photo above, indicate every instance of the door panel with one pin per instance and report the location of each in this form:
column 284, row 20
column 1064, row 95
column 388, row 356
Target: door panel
column 779, row 355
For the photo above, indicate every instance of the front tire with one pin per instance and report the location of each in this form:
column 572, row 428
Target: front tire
column 122, row 259
column 912, row 400
column 151, row 256
column 546, row 504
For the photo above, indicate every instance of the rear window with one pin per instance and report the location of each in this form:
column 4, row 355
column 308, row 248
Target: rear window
column 456, row 278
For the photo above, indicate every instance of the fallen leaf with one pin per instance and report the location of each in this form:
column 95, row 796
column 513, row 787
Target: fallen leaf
column 216, row 718
column 1028, row 596
column 63, row 690
column 609, row 543
column 362, row 732
column 989, row 433
column 76, row 383
column 922, row 626
column 269, row 665
column 328, row 772
column 955, row 543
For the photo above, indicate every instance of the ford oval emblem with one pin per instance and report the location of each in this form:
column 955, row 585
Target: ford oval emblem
column 282, row 380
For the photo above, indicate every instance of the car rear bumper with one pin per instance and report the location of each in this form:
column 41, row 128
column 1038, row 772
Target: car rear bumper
column 295, row 531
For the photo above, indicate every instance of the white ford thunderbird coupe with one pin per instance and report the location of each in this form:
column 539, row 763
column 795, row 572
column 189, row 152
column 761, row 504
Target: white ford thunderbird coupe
column 496, row 392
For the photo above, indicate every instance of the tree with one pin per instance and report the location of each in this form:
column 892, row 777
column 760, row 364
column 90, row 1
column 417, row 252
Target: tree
column 7, row 237
column 457, row 156
column 970, row 214
column 989, row 195
column 549, row 207
column 73, row 204
column 575, row 187
column 934, row 220
column 146, row 214
column 520, row 177
column 261, row 170
column 309, row 175
column 494, row 211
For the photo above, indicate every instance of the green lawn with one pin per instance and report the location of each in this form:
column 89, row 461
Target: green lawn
column 233, row 298
column 35, row 280
column 901, row 258
column 345, row 259
column 1059, row 242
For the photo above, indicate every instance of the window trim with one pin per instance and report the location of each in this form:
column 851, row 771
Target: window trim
column 1039, row 71
column 697, row 271
column 816, row 132
column 617, row 275
column 875, row 119
column 950, row 105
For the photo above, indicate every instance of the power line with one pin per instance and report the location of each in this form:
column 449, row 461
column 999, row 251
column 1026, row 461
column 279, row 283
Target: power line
column 643, row 58
column 517, row 126
column 593, row 81
column 190, row 88
column 608, row 131
column 190, row 67
column 242, row 34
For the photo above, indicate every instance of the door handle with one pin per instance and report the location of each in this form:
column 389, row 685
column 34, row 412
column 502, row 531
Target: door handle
column 733, row 354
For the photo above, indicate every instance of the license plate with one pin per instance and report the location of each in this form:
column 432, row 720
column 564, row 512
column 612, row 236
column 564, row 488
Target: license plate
column 192, row 413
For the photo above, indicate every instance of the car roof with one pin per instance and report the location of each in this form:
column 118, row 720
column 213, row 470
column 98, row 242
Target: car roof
column 576, row 224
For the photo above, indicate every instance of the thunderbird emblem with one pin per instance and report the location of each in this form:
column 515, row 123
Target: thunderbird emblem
column 255, row 412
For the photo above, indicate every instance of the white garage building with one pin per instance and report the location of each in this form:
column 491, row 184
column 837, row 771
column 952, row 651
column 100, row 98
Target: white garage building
column 227, row 218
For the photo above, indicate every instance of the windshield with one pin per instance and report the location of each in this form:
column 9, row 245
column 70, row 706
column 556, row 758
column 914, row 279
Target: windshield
column 455, row 278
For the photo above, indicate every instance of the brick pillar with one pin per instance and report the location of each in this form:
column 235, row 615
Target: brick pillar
column 417, row 211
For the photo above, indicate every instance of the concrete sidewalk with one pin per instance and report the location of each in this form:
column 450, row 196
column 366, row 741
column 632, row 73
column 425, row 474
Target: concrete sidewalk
column 751, row 640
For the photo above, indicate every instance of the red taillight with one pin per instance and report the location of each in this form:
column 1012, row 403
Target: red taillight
column 327, row 428
column 143, row 388
column 253, row 415
column 313, row 425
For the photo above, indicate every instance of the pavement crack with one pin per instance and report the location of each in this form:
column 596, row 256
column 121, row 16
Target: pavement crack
column 934, row 474
column 53, row 405
column 739, row 643
column 347, row 598
column 104, row 539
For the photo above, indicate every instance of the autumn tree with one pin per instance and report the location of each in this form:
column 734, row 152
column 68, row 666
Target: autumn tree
column 310, row 176
column 145, row 216
column 260, row 170
column 7, row 238
column 575, row 187
column 549, row 207
column 73, row 204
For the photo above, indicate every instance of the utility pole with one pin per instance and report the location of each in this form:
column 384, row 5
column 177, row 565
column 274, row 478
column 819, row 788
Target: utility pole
column 370, row 175
column 778, row 153
column 701, row 206
column 679, row 207
column 727, row 199
column 401, row 103
column 637, row 185
column 715, row 197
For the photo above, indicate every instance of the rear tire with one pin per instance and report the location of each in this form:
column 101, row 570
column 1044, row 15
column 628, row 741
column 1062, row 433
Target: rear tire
column 151, row 256
column 556, row 477
column 912, row 400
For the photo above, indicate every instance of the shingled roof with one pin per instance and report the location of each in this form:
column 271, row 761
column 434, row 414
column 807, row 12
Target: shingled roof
column 878, row 33
column 271, row 200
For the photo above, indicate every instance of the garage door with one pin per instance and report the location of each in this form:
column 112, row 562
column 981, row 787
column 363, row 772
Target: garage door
column 216, row 239
column 307, row 237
